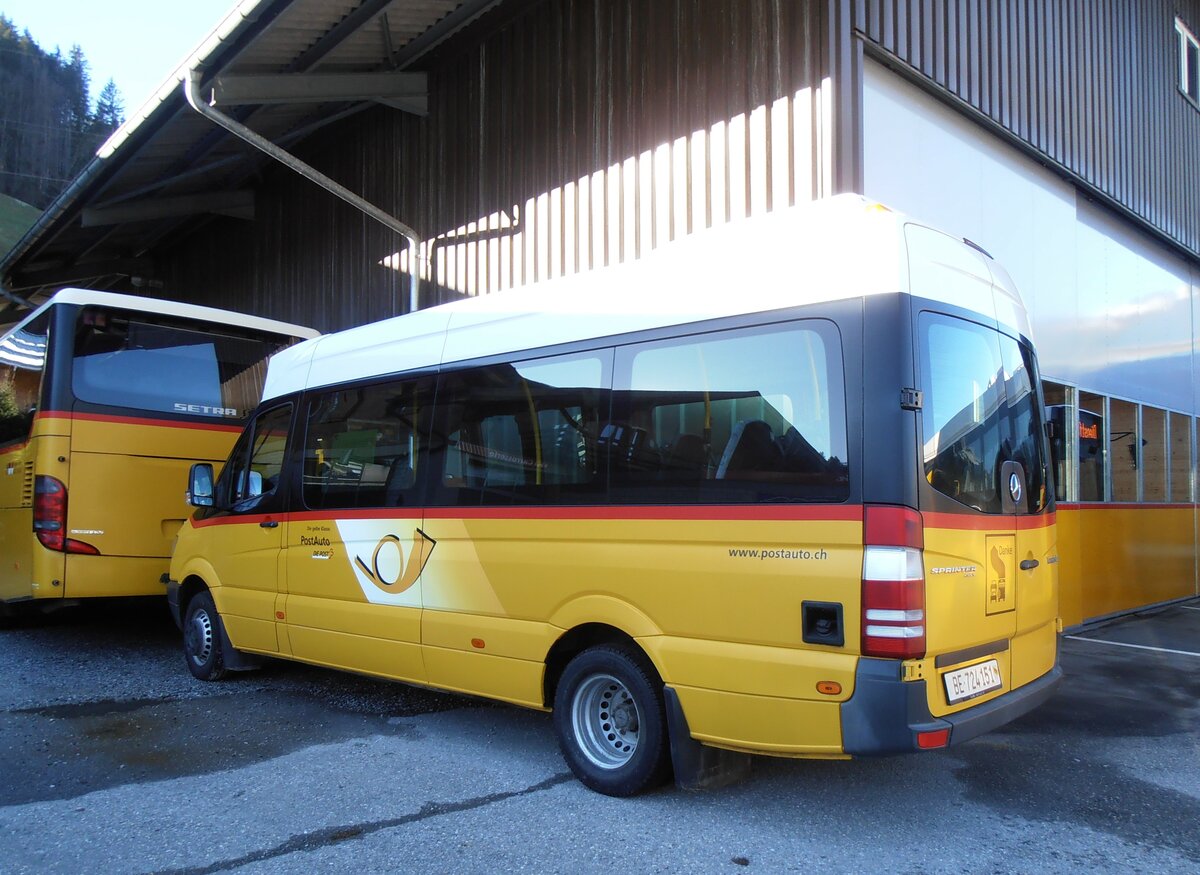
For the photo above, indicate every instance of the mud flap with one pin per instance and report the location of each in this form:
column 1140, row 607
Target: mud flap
column 698, row 766
column 234, row 659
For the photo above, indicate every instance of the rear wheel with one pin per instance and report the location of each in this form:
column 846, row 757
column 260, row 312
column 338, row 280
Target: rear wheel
column 610, row 721
column 202, row 639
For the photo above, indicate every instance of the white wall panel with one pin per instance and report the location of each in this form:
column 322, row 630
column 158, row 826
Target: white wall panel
column 1112, row 311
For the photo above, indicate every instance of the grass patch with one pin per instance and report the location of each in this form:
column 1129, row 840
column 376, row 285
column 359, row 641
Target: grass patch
column 16, row 217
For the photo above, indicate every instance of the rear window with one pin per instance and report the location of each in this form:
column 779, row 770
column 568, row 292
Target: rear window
column 168, row 366
column 981, row 408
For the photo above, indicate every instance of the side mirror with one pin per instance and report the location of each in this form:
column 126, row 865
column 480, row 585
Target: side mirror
column 200, row 485
column 256, row 485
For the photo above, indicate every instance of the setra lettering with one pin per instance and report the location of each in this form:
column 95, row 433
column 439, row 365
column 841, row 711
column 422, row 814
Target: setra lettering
column 204, row 409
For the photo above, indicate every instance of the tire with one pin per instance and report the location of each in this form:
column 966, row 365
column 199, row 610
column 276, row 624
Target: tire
column 610, row 721
column 202, row 639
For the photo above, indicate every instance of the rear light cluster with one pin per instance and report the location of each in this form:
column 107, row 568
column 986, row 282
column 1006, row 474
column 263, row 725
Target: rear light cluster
column 50, row 517
column 893, row 586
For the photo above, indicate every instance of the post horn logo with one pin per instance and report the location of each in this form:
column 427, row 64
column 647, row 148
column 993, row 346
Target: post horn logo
column 387, row 568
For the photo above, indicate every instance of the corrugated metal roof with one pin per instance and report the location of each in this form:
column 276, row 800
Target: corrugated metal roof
column 167, row 151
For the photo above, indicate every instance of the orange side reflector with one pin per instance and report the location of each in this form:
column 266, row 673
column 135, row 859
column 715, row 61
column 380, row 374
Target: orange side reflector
column 279, row 615
column 828, row 688
column 477, row 643
column 931, row 740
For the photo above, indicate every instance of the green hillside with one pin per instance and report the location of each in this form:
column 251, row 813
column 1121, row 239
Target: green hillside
column 15, row 219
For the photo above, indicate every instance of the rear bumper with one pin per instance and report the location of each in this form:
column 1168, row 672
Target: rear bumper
column 885, row 714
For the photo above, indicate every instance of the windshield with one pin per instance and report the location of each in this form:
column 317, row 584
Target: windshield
column 981, row 408
column 169, row 365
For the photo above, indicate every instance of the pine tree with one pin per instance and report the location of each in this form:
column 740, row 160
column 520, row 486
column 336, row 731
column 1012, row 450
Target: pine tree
column 79, row 81
column 110, row 111
column 47, row 127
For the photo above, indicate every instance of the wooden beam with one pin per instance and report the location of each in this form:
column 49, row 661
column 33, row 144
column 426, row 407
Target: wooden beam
column 239, row 204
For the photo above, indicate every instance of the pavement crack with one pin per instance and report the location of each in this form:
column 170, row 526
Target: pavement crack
column 337, row 834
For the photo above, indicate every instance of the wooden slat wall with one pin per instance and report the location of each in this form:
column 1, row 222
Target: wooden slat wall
column 1091, row 85
column 577, row 134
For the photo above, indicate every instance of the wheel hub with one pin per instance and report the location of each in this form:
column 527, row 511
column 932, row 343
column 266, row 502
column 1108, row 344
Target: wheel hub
column 606, row 722
column 198, row 636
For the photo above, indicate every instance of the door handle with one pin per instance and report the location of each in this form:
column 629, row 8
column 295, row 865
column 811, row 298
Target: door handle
column 1028, row 564
column 270, row 524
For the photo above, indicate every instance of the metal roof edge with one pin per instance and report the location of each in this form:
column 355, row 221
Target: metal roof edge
column 164, row 307
column 238, row 22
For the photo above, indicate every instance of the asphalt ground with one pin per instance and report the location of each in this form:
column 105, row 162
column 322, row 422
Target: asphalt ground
column 113, row 759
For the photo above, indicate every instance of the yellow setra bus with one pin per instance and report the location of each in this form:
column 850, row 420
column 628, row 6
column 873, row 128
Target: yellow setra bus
column 105, row 402
column 779, row 488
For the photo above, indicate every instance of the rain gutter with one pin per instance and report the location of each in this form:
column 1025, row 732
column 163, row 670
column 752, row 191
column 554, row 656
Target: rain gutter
column 191, row 90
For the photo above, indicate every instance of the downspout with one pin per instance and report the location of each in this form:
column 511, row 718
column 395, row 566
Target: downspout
column 191, row 90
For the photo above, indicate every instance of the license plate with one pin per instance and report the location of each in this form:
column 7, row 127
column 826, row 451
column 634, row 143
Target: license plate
column 973, row 681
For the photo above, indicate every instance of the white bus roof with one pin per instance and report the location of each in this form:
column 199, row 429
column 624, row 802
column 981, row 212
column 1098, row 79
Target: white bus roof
column 844, row 247
column 168, row 308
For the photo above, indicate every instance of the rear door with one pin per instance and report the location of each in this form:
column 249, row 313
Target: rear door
column 984, row 501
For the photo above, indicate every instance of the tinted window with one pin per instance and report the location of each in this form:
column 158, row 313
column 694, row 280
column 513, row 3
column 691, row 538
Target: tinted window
column 255, row 467
column 1093, row 439
column 526, row 432
column 736, row 416
column 22, row 361
column 981, row 408
column 362, row 446
column 1026, row 421
column 124, row 360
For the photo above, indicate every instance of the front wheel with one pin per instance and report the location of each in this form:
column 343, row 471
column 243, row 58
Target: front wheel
column 202, row 639
column 610, row 721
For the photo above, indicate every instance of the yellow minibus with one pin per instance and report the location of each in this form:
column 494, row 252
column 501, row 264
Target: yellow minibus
column 105, row 402
column 777, row 488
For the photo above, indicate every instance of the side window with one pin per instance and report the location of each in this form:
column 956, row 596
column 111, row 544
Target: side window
column 22, row 362
column 1124, row 441
column 255, row 468
column 363, row 446
column 729, row 417
column 1181, row 458
column 1026, row 421
column 523, row 433
column 1092, row 447
column 1155, row 450
column 963, row 410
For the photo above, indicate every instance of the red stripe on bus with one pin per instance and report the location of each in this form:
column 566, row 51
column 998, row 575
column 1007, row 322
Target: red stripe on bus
column 246, row 520
column 1041, row 521
column 1123, row 505
column 716, row 513
column 963, row 522
column 141, row 420
column 390, row 513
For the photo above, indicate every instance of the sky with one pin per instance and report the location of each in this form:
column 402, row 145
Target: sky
column 136, row 43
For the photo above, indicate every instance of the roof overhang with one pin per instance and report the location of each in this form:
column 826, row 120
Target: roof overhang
column 286, row 69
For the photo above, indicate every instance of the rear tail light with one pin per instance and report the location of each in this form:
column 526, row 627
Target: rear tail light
column 893, row 585
column 50, row 517
column 933, row 739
